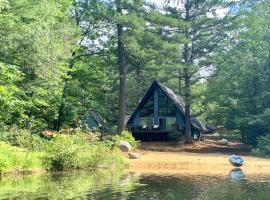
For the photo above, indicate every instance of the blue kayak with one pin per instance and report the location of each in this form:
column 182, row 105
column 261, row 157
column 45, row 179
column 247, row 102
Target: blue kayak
column 236, row 160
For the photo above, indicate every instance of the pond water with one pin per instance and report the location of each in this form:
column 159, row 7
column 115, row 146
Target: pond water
column 118, row 185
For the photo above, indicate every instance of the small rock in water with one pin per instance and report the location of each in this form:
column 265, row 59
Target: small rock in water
column 124, row 146
column 134, row 155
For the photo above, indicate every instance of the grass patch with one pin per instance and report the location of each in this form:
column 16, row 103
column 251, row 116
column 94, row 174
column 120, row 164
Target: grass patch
column 23, row 152
column 18, row 160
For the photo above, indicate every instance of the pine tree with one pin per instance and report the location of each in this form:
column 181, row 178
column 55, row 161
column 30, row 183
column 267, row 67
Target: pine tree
column 122, row 69
column 143, row 41
column 205, row 32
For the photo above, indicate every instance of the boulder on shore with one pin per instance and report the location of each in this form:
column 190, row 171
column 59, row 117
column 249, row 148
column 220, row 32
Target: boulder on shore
column 124, row 146
column 223, row 141
column 134, row 155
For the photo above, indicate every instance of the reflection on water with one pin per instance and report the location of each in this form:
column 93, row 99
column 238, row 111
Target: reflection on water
column 237, row 174
column 116, row 185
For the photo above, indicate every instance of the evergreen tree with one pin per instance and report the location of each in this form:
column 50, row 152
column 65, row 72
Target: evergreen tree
column 206, row 31
column 144, row 44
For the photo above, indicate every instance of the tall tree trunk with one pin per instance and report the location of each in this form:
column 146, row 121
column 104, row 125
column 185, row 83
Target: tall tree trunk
column 122, row 72
column 187, row 55
column 188, row 138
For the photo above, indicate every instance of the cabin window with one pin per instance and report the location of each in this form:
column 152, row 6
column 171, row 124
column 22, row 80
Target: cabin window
column 148, row 108
column 146, row 122
column 170, row 124
column 166, row 108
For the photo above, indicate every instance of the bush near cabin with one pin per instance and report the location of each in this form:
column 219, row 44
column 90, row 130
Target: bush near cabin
column 74, row 152
column 22, row 151
column 263, row 144
column 125, row 136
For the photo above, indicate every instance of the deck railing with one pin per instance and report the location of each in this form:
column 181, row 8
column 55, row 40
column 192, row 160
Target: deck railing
column 140, row 128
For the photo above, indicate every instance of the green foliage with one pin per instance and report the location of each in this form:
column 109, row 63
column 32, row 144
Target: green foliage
column 36, row 42
column 263, row 144
column 98, row 156
column 126, row 136
column 60, row 153
column 230, row 135
column 58, row 62
column 3, row 4
column 74, row 152
column 242, row 104
column 11, row 105
column 23, row 138
column 18, row 160
column 175, row 136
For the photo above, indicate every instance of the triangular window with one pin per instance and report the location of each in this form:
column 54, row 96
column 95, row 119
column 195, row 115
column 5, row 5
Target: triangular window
column 166, row 108
column 147, row 109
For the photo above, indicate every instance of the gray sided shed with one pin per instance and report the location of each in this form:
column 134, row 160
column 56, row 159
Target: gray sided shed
column 94, row 121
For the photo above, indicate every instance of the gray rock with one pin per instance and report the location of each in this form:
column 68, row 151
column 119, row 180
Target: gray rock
column 124, row 146
column 223, row 141
column 134, row 155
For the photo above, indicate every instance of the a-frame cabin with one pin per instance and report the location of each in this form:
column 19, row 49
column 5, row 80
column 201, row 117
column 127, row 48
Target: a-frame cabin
column 159, row 113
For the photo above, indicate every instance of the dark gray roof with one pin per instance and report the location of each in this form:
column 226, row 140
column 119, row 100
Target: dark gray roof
column 97, row 117
column 196, row 123
column 179, row 103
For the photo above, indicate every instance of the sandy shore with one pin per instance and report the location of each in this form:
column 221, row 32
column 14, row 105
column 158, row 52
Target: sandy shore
column 195, row 163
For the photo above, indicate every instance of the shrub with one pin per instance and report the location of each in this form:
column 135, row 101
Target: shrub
column 126, row 136
column 175, row 136
column 23, row 138
column 60, row 153
column 255, row 126
column 230, row 135
column 75, row 152
column 263, row 144
column 99, row 155
column 14, row 159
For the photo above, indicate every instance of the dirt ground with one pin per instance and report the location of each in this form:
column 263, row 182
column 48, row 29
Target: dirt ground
column 209, row 145
column 213, row 159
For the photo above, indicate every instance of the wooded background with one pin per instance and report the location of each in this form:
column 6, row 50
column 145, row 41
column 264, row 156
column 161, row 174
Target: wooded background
column 59, row 60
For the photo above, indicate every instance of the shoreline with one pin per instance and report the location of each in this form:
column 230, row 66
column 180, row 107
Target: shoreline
column 196, row 163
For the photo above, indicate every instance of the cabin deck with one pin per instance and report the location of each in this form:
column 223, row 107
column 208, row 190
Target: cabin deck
column 151, row 135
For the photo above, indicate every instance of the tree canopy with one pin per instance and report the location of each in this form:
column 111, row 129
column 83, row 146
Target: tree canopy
column 60, row 60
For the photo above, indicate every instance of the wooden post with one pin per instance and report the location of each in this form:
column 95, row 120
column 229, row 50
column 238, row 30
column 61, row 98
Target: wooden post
column 156, row 106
